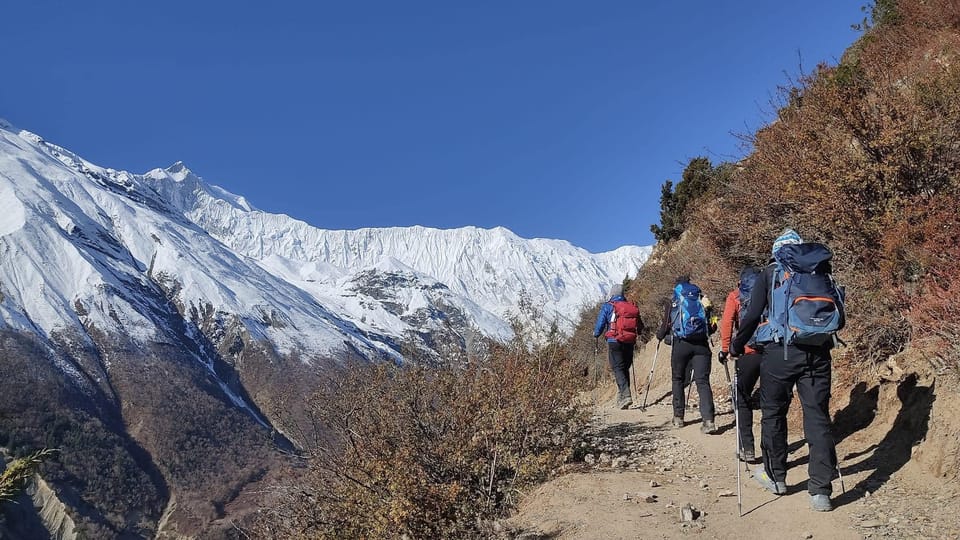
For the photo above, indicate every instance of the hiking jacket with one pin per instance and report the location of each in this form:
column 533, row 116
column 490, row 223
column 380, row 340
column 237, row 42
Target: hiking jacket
column 730, row 320
column 603, row 318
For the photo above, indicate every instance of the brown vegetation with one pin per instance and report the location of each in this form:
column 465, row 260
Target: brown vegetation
column 864, row 156
column 429, row 452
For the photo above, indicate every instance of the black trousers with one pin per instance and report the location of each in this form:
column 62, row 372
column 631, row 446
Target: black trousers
column 620, row 356
column 685, row 354
column 748, row 373
column 809, row 369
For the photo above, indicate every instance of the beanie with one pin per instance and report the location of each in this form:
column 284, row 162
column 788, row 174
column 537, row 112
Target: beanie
column 788, row 236
column 616, row 290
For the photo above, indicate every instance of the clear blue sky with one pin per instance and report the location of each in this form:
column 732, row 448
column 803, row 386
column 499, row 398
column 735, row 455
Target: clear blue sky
column 545, row 117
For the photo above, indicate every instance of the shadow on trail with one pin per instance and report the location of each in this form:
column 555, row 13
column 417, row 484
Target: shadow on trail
column 894, row 451
column 725, row 428
column 659, row 399
column 758, row 507
column 627, row 429
column 858, row 414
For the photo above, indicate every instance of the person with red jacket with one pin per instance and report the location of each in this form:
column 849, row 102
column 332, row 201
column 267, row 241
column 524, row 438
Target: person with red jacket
column 621, row 338
column 746, row 366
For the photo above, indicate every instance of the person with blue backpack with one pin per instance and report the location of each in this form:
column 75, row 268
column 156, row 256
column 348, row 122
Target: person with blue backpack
column 746, row 367
column 619, row 321
column 686, row 326
column 795, row 309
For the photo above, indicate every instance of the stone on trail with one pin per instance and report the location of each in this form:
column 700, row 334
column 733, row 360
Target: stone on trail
column 646, row 496
column 725, row 493
column 688, row 513
column 807, row 535
column 654, row 483
column 871, row 524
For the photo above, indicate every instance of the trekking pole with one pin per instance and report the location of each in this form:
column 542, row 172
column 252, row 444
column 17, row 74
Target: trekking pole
column 650, row 378
column 843, row 489
column 596, row 368
column 736, row 426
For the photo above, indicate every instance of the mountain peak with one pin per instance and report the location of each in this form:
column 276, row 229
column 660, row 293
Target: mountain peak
column 179, row 168
column 179, row 172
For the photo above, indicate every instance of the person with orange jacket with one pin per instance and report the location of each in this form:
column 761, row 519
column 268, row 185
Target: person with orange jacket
column 746, row 366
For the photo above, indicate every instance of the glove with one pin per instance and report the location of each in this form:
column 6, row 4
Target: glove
column 723, row 357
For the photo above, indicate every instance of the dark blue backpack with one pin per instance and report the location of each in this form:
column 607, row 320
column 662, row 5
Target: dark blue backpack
column 686, row 311
column 748, row 277
column 806, row 305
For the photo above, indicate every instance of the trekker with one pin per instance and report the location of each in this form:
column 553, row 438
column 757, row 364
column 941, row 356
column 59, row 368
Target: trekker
column 686, row 322
column 790, row 358
column 619, row 321
column 746, row 366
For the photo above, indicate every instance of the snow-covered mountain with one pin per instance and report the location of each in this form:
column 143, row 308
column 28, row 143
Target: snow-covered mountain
column 141, row 315
column 490, row 269
column 78, row 233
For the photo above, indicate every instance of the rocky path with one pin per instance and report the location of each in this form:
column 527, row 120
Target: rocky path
column 643, row 479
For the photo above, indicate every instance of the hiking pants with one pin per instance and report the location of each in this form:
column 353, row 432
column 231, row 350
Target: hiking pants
column 748, row 372
column 620, row 356
column 684, row 355
column 809, row 369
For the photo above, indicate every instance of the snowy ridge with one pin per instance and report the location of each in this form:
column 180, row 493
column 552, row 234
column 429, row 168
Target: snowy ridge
column 492, row 268
column 87, row 247
column 83, row 246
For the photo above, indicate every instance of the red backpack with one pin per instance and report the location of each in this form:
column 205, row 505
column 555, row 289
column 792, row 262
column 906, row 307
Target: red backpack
column 625, row 322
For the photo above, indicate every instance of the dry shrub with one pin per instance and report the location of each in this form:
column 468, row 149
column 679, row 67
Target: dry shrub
column 430, row 453
column 855, row 151
column 922, row 254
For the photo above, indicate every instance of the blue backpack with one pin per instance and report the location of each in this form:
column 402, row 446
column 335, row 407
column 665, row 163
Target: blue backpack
column 806, row 305
column 747, row 279
column 686, row 311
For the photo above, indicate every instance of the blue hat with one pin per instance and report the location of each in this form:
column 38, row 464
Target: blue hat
column 788, row 236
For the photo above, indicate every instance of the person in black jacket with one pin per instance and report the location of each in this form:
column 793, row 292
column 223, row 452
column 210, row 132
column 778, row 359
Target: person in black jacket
column 807, row 367
column 692, row 350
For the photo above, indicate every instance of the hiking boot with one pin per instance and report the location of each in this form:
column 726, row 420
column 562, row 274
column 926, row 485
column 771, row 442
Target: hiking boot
column 678, row 421
column 708, row 427
column 778, row 488
column 746, row 455
column 625, row 402
column 821, row 503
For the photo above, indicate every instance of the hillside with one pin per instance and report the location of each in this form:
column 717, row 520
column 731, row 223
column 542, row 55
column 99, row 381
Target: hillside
column 865, row 157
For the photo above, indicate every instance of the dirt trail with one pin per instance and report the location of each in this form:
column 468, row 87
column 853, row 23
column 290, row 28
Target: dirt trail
column 629, row 451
